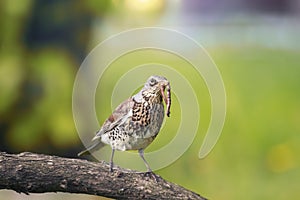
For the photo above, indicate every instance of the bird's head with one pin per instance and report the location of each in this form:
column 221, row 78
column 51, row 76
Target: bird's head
column 155, row 86
column 155, row 83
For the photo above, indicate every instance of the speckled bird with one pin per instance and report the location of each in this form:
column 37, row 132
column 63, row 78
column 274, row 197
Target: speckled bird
column 135, row 123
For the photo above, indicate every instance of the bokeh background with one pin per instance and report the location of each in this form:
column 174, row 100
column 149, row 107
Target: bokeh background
column 255, row 44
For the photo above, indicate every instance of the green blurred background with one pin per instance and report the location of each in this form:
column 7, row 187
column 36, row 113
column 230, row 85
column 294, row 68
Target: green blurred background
column 255, row 44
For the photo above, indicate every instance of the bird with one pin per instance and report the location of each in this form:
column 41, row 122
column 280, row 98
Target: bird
column 135, row 123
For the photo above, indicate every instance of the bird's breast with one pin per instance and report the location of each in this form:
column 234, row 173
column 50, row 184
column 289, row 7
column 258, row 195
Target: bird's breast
column 146, row 119
column 138, row 129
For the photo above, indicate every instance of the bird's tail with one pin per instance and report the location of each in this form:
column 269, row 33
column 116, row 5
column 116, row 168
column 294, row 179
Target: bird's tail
column 94, row 147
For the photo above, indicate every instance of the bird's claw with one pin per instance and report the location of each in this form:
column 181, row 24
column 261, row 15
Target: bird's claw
column 151, row 175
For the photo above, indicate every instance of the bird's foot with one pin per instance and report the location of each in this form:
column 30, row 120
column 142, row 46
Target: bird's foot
column 151, row 175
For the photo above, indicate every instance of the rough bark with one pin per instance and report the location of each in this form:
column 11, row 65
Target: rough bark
column 36, row 173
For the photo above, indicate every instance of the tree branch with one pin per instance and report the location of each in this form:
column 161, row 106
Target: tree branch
column 36, row 173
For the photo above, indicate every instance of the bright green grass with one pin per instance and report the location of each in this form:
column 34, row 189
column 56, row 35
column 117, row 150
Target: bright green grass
column 257, row 154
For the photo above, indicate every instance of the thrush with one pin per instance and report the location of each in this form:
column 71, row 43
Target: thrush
column 135, row 123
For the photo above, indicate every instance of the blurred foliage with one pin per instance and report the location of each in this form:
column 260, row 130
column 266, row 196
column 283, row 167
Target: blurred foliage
column 42, row 44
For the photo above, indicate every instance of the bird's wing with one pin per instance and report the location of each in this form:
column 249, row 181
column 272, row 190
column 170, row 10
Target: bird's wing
column 120, row 114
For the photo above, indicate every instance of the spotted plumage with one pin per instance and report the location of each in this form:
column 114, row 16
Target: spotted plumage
column 135, row 123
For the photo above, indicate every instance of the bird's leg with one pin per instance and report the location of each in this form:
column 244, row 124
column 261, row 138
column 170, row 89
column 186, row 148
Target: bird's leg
column 149, row 172
column 112, row 160
column 141, row 152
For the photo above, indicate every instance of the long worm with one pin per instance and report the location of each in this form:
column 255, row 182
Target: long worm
column 167, row 98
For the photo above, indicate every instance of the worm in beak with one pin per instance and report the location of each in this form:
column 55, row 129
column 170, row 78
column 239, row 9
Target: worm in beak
column 167, row 99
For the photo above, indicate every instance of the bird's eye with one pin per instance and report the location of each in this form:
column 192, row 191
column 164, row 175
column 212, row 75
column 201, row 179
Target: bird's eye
column 152, row 82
